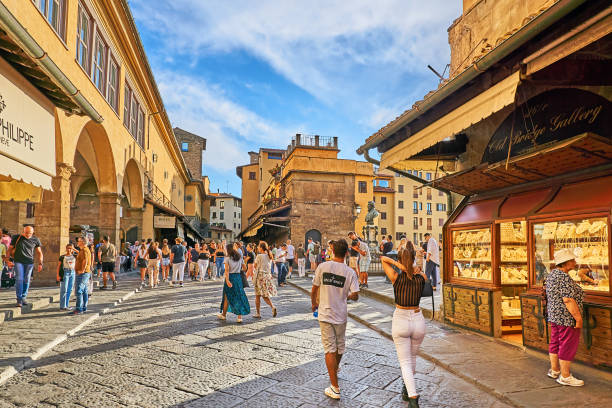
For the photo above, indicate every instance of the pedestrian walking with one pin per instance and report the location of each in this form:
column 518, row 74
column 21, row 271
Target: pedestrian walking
column 153, row 257
column 25, row 249
column 140, row 261
column 4, row 278
column 432, row 260
column 203, row 261
column 107, row 253
column 312, row 258
column 364, row 258
column 213, row 267
column 194, row 256
column 220, row 260
column 250, row 260
column 177, row 258
column 82, row 268
column 263, row 280
column 93, row 270
column 334, row 282
column 290, row 258
column 165, row 260
column 564, row 308
column 281, row 264
column 234, row 298
column 301, row 260
column 408, row 325
column 66, row 276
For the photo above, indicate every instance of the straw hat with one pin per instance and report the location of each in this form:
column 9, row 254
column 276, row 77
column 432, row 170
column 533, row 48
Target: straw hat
column 563, row 255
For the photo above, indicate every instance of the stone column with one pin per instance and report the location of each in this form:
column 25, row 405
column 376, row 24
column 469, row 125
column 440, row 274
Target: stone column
column 109, row 220
column 52, row 222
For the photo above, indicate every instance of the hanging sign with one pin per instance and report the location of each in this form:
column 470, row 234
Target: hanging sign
column 162, row 221
column 548, row 118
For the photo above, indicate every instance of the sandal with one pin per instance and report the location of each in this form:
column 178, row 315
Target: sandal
column 221, row 317
column 257, row 316
column 239, row 319
column 273, row 312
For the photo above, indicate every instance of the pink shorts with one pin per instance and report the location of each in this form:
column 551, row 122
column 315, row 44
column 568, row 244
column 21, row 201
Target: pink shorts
column 564, row 341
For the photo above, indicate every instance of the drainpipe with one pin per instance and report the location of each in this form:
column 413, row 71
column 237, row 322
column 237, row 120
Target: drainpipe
column 449, row 195
column 526, row 33
column 28, row 44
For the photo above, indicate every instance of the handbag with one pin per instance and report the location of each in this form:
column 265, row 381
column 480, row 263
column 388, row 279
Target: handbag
column 428, row 291
column 245, row 281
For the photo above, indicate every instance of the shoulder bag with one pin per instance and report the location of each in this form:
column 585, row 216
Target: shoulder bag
column 428, row 291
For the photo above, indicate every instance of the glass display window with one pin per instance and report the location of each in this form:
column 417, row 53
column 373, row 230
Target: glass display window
column 472, row 254
column 587, row 239
column 513, row 253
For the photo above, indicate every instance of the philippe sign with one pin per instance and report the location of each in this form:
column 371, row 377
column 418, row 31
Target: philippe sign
column 547, row 118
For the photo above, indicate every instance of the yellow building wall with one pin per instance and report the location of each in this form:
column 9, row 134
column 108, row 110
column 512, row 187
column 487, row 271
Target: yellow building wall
column 121, row 145
column 362, row 200
column 389, row 209
column 193, row 207
column 249, row 193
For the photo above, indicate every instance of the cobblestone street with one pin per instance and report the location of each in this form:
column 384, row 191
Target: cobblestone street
column 165, row 347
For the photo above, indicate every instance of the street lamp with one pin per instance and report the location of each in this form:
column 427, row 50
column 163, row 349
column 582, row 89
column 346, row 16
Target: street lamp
column 356, row 210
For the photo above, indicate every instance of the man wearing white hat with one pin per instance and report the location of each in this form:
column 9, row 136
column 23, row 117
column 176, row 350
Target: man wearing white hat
column 564, row 299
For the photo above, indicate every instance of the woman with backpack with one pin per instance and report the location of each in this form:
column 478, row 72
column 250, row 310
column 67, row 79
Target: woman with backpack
column 408, row 326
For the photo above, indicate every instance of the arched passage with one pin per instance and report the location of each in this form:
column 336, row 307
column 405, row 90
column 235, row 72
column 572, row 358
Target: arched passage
column 94, row 194
column 132, row 201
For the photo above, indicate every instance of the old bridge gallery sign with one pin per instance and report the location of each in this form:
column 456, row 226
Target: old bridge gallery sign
column 548, row 118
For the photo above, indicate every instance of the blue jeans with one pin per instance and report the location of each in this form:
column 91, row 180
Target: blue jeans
column 23, row 274
column 220, row 267
column 66, row 287
column 82, row 296
column 282, row 272
column 431, row 269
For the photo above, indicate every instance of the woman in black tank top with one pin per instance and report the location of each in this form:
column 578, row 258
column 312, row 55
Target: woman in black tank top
column 408, row 327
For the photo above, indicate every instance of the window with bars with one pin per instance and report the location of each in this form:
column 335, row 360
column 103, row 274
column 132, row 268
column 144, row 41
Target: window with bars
column 363, row 187
column 54, row 12
column 84, row 26
column 383, row 200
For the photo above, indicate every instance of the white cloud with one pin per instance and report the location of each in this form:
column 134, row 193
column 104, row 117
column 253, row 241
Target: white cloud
column 229, row 128
column 350, row 53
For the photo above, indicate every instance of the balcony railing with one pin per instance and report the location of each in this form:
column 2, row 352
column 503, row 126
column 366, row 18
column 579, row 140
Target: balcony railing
column 153, row 193
column 325, row 142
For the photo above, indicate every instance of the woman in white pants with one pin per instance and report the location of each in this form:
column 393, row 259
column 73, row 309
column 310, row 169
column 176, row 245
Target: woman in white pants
column 408, row 327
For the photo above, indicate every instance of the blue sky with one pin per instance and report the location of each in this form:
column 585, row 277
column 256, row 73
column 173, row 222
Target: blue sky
column 250, row 74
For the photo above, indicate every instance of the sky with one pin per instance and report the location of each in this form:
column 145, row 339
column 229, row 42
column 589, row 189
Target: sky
column 251, row 74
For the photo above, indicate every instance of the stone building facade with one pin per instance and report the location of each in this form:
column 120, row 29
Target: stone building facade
column 314, row 193
column 226, row 214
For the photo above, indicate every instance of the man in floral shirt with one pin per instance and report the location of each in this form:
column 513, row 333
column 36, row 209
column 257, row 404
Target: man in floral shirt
column 564, row 299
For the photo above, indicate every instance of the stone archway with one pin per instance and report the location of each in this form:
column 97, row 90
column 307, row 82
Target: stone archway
column 94, row 198
column 132, row 202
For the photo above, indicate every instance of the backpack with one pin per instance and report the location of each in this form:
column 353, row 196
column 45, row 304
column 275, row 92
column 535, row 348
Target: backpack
column 316, row 250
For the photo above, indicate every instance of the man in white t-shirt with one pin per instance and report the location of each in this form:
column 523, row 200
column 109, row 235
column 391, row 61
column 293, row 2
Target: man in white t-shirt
column 290, row 257
column 334, row 282
column 432, row 259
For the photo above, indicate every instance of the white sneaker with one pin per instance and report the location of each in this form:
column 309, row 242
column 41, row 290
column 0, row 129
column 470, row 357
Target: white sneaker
column 571, row 381
column 332, row 392
column 553, row 374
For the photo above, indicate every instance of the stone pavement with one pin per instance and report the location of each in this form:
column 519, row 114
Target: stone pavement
column 512, row 374
column 165, row 347
column 32, row 332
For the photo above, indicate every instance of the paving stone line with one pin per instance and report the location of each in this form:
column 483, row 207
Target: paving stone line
column 26, row 362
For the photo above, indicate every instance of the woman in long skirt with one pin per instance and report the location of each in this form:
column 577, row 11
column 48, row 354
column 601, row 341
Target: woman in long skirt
column 262, row 280
column 234, row 297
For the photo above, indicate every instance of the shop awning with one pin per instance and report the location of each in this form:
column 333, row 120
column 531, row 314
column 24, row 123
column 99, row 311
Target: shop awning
column 482, row 106
column 252, row 231
column 578, row 153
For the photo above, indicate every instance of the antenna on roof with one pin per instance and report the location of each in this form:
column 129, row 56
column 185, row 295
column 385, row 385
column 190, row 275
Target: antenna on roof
column 436, row 72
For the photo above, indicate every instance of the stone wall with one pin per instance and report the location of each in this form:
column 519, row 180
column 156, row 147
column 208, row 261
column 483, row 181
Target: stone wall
column 484, row 24
column 323, row 202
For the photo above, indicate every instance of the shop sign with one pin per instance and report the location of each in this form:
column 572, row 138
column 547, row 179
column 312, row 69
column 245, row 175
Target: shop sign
column 162, row 221
column 27, row 128
column 180, row 230
column 548, row 118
